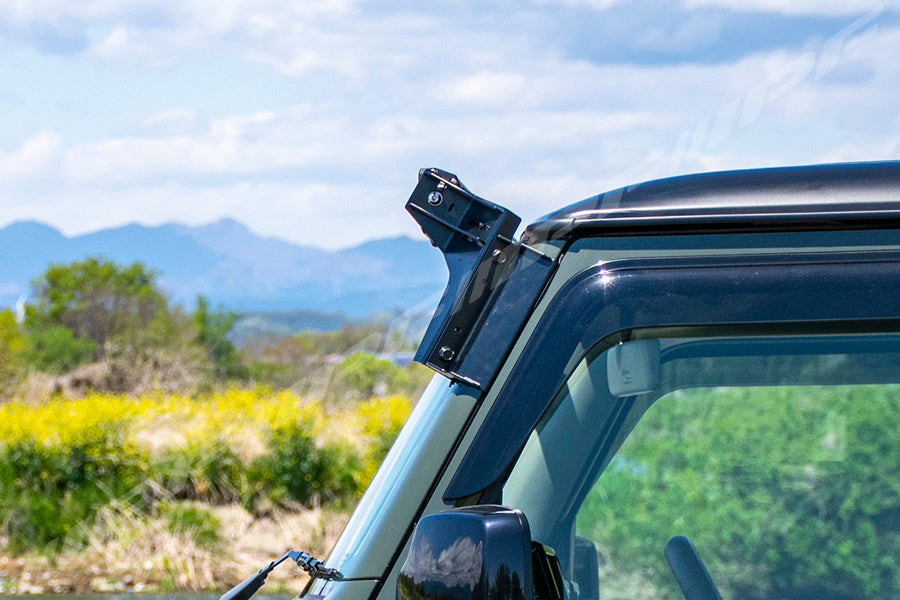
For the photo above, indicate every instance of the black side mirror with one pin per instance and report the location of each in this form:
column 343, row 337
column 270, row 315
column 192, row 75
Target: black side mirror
column 471, row 553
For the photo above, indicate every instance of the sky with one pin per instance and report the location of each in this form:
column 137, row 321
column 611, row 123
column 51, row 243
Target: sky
column 308, row 121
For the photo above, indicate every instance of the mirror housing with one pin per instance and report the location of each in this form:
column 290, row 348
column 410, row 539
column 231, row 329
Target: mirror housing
column 469, row 553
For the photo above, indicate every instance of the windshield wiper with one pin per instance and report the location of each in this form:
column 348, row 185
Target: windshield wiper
column 245, row 589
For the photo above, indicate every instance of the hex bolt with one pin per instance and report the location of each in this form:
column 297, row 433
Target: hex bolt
column 446, row 353
column 435, row 198
column 498, row 256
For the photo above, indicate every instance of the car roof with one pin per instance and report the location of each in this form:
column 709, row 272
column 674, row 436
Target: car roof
column 860, row 195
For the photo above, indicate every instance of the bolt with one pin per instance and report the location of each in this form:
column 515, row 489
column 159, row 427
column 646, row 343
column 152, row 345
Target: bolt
column 435, row 198
column 498, row 256
column 446, row 353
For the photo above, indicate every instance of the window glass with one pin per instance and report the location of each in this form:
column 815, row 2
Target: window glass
column 785, row 492
column 777, row 456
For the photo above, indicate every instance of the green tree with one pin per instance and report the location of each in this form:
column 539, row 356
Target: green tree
column 359, row 337
column 97, row 300
column 284, row 362
column 212, row 333
column 366, row 374
column 56, row 350
column 12, row 344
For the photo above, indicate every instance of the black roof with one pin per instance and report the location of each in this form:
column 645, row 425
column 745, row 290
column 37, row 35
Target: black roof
column 862, row 195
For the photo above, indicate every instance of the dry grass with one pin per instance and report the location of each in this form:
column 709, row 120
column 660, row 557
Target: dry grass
column 131, row 553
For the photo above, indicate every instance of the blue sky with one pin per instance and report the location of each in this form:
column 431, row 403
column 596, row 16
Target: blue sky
column 308, row 121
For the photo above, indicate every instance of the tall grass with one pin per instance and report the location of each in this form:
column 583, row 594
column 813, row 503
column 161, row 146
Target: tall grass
column 63, row 460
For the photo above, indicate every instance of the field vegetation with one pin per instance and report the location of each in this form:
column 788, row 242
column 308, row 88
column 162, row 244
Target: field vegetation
column 141, row 449
column 787, row 492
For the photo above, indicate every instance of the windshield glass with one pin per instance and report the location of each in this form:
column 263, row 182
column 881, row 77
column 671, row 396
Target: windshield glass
column 776, row 456
column 392, row 499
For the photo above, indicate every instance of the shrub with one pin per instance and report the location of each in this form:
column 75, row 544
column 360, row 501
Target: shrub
column 56, row 350
column 197, row 522
column 50, row 495
column 60, row 461
column 381, row 421
column 12, row 344
column 207, row 470
column 296, row 468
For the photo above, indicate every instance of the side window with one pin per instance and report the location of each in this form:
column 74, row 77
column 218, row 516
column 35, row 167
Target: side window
column 778, row 457
column 789, row 491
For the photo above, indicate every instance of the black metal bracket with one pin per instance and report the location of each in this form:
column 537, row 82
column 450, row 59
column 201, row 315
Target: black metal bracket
column 476, row 238
column 314, row 567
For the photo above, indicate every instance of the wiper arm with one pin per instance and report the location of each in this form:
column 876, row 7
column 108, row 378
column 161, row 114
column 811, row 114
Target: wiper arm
column 245, row 589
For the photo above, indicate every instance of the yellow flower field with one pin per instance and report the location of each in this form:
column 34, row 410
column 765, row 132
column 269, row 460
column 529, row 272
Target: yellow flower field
column 63, row 459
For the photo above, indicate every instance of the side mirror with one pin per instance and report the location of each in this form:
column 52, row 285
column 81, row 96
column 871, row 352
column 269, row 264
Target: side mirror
column 470, row 553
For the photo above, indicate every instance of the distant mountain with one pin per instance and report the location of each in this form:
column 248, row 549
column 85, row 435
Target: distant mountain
column 236, row 268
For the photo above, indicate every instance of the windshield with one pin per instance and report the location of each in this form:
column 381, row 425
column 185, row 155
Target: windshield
column 390, row 503
column 776, row 456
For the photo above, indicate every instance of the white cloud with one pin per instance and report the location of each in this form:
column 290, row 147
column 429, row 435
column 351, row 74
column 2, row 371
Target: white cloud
column 794, row 7
column 578, row 130
column 156, row 34
column 494, row 89
column 242, row 144
column 885, row 149
column 306, row 138
column 127, row 44
column 33, row 159
column 182, row 119
column 595, row 4
column 458, row 565
column 374, row 97
column 30, row 11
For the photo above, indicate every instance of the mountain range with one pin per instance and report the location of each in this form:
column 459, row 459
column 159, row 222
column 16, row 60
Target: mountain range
column 237, row 269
